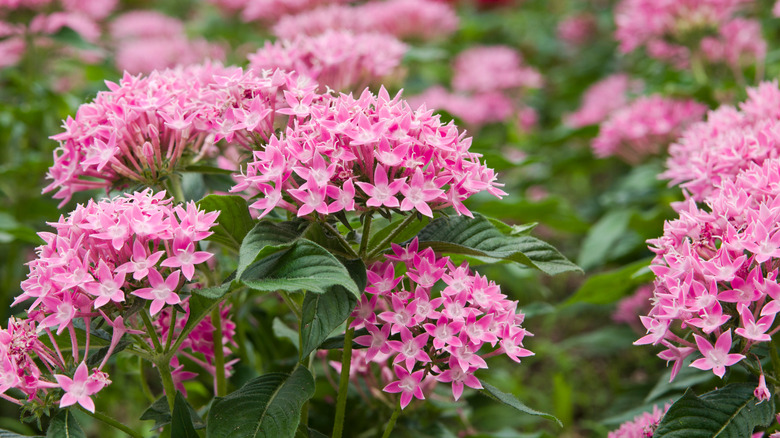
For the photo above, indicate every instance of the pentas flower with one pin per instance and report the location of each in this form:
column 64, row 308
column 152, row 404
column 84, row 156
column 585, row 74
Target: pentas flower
column 146, row 127
column 404, row 19
column 645, row 127
column 603, row 98
column 341, row 60
column 729, row 141
column 443, row 336
column 716, row 269
column 672, row 30
column 475, row 110
column 492, row 68
column 148, row 40
column 642, row 426
column 269, row 10
column 366, row 153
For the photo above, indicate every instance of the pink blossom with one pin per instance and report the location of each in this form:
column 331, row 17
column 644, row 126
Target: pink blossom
column 77, row 389
column 492, row 68
column 577, row 30
column 717, row 357
column 408, row 384
column 642, row 426
column 603, row 98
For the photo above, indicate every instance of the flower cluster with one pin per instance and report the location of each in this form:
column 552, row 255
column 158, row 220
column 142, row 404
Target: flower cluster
column 603, row 98
column 492, row 68
column 139, row 34
column 577, row 30
column 716, row 271
column 674, row 30
column 405, row 19
column 270, row 10
column 341, row 60
column 636, row 304
column 728, row 142
column 428, row 335
column 146, row 127
column 645, row 126
column 372, row 152
column 489, row 82
column 51, row 16
column 104, row 257
column 642, row 426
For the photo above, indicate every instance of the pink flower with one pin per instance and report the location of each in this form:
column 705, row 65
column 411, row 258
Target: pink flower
column 762, row 392
column 492, row 68
column 162, row 291
column 603, row 98
column 77, row 389
column 643, row 425
column 716, row 358
column 407, row 384
column 185, row 257
column 459, row 378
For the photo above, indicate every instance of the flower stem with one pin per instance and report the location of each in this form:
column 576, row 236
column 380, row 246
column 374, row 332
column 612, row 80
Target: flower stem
column 386, row 241
column 167, row 380
column 365, row 236
column 113, row 423
column 219, row 353
column 393, row 419
column 347, row 247
column 174, row 184
column 144, row 386
column 152, row 332
column 341, row 399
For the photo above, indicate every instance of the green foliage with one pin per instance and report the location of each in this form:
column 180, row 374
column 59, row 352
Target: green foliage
column 482, row 240
column 181, row 421
column 64, row 425
column 608, row 287
column 512, row 401
column 268, row 407
column 728, row 412
column 234, row 221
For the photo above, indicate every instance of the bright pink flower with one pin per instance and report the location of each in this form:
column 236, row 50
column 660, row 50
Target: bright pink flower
column 162, row 291
column 717, row 357
column 185, row 257
column 410, row 349
column 643, row 425
column 77, row 389
column 762, row 392
column 407, row 384
column 459, row 378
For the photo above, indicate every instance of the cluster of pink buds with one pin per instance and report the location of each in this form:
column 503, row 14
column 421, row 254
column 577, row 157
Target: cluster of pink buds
column 488, row 84
column 441, row 335
column 104, row 257
column 341, row 60
column 717, row 270
column 642, row 426
column 645, row 127
column 147, row 127
column 728, row 142
column 371, row 152
column 673, row 31
column 405, row 19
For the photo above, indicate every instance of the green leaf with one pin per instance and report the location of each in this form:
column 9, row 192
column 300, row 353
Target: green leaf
column 268, row 406
column 481, row 238
column 234, row 221
column 161, row 414
column 406, row 234
column 729, row 412
column 282, row 331
column 181, row 423
column 510, row 400
column 321, row 314
column 203, row 301
column 603, row 237
column 303, row 266
column 8, row 434
column 264, row 239
column 337, row 342
column 64, row 425
column 611, row 286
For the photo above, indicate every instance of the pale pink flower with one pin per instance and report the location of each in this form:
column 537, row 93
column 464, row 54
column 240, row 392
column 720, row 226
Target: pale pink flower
column 603, row 98
column 77, row 389
column 408, row 384
column 642, row 426
column 717, row 357
column 492, row 68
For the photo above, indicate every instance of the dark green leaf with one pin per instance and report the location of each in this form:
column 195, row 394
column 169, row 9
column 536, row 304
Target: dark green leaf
column 407, row 233
column 481, row 238
column 552, row 211
column 512, row 401
column 64, row 425
column 321, row 314
column 729, row 412
column 234, row 221
column 609, row 287
column 337, row 342
column 181, row 423
column 303, row 266
column 282, row 331
column 603, row 237
column 161, row 414
column 268, row 406
column 264, row 239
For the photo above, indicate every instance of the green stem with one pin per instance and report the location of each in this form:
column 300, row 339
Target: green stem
column 291, row 304
column 150, row 328
column 171, row 329
column 391, row 423
column 386, row 241
column 113, row 423
column 365, row 235
column 341, row 240
column 341, row 399
column 144, row 386
column 167, row 381
column 219, row 353
column 174, row 183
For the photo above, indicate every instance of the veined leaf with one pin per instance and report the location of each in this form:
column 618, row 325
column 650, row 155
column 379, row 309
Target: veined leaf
column 268, row 406
column 264, row 239
column 64, row 425
column 321, row 314
column 181, row 421
column 234, row 221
